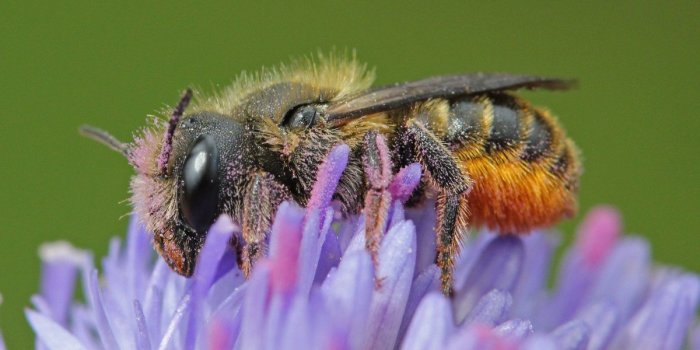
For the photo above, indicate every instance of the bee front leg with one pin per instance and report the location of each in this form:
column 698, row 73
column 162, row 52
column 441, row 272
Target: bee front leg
column 451, row 206
column 262, row 197
column 376, row 161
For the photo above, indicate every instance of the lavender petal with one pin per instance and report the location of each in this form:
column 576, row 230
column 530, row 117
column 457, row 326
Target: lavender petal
column 350, row 294
column 514, row 329
column 327, row 178
column 663, row 320
column 431, row 326
column 426, row 282
column 491, row 309
column 602, row 318
column 254, row 306
column 498, row 267
column 141, row 334
column 51, row 333
column 60, row 263
column 573, row 335
column 103, row 326
column 397, row 258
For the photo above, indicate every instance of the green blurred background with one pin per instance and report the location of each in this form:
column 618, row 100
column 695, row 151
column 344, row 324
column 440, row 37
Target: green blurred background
column 634, row 114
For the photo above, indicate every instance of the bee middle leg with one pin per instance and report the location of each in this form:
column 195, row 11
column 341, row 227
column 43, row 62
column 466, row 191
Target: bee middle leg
column 376, row 161
column 262, row 197
column 453, row 185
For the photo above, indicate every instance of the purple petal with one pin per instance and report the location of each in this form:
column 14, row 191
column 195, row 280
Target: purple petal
column 51, row 333
column 424, row 219
column 431, row 326
column 694, row 338
column 630, row 258
column 396, row 214
column 405, row 181
column 498, row 267
column 598, row 234
column 142, row 340
column 206, row 269
column 530, row 289
column 297, row 330
column 103, row 325
column 491, row 309
column 478, row 337
column 138, row 258
column 168, row 341
column 221, row 334
column 663, row 320
column 60, row 263
column 254, row 308
column 596, row 240
column 397, row 258
column 285, row 241
column 515, row 329
column 539, row 342
column 468, row 256
column 312, row 242
column 426, row 282
column 329, row 257
column 350, row 294
column 602, row 319
column 327, row 178
column 573, row 335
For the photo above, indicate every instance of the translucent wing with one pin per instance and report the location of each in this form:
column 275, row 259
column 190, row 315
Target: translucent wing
column 403, row 94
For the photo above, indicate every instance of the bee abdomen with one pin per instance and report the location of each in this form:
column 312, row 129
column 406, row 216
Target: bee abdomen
column 500, row 124
column 524, row 169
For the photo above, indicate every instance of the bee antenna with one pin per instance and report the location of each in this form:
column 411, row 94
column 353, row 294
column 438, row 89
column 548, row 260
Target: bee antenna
column 105, row 138
column 172, row 124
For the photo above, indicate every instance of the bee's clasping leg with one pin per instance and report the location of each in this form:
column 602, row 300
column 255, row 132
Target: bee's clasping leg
column 453, row 184
column 263, row 195
column 376, row 161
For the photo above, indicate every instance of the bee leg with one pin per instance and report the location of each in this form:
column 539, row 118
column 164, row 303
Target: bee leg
column 453, row 185
column 377, row 167
column 263, row 194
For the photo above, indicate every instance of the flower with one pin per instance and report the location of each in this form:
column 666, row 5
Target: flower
column 316, row 289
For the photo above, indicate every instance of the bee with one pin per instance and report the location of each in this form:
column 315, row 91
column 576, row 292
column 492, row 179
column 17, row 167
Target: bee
column 489, row 157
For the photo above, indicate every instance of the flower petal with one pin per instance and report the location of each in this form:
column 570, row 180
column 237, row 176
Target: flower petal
column 51, row 333
column 141, row 331
column 573, row 335
column 285, row 241
column 60, row 263
column 663, row 320
column 404, row 182
column 397, row 258
column 491, row 309
column 602, row 318
column 426, row 282
column 327, row 178
column 431, row 326
column 516, row 329
column 498, row 267
column 350, row 294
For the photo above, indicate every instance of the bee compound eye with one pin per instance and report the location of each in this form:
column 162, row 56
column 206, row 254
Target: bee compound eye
column 301, row 117
column 200, row 185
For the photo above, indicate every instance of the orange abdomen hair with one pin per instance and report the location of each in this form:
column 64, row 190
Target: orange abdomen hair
column 525, row 171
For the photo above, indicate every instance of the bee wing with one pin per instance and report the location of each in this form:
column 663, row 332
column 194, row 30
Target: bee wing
column 403, row 94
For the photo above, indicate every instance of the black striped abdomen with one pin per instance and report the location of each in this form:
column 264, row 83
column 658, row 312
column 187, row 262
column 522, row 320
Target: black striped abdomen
column 505, row 126
column 525, row 170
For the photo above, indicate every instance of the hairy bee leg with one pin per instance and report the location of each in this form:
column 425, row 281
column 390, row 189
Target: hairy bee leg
column 451, row 206
column 261, row 199
column 377, row 167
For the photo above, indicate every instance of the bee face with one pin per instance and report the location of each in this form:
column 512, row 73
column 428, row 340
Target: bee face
column 261, row 141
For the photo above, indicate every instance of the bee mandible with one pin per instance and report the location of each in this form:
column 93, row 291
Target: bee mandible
column 488, row 157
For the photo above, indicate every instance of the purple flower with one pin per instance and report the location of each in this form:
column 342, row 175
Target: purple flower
column 316, row 289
